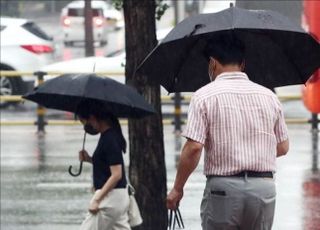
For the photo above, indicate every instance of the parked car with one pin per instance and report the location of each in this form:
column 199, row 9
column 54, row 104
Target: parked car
column 104, row 18
column 24, row 47
column 114, row 63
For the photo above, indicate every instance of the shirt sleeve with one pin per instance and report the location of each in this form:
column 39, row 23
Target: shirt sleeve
column 280, row 128
column 196, row 128
column 113, row 152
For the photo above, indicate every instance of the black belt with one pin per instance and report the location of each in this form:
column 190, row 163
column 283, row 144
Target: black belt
column 246, row 173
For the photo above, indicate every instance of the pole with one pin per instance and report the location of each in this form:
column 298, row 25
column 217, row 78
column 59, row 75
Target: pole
column 315, row 142
column 41, row 111
column 179, row 12
column 179, row 7
column 53, row 7
column 89, row 49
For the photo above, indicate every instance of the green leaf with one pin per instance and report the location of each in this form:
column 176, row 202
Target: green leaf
column 160, row 7
column 118, row 4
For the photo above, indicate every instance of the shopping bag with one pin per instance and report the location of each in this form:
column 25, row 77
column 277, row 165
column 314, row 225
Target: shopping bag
column 135, row 218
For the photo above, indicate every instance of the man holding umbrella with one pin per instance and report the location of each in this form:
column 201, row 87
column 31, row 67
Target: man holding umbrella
column 237, row 121
column 241, row 126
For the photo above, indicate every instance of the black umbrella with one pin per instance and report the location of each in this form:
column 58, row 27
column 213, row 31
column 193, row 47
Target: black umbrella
column 278, row 52
column 68, row 91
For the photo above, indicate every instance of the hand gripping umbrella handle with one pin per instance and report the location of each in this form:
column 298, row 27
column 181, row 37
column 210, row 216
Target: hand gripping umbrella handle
column 81, row 162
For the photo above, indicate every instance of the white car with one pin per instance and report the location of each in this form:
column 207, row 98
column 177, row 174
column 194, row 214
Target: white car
column 24, row 47
column 104, row 18
column 114, row 63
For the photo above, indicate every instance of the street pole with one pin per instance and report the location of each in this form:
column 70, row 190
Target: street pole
column 179, row 13
column 89, row 49
column 53, row 7
column 315, row 141
column 41, row 111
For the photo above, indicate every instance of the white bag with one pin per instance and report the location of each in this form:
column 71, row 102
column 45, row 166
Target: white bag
column 135, row 218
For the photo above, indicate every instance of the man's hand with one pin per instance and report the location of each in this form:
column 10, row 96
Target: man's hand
column 173, row 199
column 94, row 206
column 189, row 160
column 282, row 148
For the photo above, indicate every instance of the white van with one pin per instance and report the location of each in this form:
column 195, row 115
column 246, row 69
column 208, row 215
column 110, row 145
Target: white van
column 104, row 18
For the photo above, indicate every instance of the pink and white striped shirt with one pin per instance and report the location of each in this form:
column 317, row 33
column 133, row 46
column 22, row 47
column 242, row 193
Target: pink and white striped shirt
column 239, row 123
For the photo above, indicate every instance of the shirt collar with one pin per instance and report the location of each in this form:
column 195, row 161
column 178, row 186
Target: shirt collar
column 232, row 75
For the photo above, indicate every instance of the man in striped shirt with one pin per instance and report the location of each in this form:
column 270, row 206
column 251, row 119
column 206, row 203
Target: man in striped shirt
column 241, row 126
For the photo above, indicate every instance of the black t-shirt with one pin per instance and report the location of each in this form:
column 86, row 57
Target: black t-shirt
column 107, row 153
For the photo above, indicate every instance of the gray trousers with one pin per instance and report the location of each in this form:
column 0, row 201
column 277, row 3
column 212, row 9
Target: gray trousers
column 238, row 203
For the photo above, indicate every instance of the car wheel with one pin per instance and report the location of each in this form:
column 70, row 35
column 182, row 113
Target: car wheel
column 10, row 86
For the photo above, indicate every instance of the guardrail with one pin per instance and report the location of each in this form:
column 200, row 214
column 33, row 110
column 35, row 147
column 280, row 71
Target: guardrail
column 177, row 100
column 165, row 99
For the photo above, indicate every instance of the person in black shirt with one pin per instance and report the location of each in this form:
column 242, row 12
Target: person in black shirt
column 109, row 206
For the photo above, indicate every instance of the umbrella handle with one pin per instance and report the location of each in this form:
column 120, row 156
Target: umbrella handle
column 81, row 162
column 78, row 173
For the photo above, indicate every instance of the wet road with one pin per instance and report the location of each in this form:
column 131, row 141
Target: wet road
column 38, row 193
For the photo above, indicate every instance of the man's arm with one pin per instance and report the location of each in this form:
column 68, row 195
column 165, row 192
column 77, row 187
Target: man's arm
column 189, row 160
column 282, row 148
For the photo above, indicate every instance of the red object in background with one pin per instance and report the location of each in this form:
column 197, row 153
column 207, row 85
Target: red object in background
column 38, row 49
column 312, row 17
column 311, row 93
column 311, row 202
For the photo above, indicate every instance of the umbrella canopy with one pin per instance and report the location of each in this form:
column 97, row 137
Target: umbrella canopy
column 278, row 52
column 67, row 91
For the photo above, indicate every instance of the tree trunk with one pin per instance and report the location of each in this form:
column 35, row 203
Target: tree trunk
column 147, row 166
column 89, row 51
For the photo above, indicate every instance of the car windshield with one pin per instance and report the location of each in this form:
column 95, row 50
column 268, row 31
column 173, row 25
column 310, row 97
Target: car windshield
column 36, row 30
column 79, row 12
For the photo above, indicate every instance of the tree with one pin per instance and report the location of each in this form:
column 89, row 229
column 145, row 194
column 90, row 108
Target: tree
column 147, row 166
column 89, row 50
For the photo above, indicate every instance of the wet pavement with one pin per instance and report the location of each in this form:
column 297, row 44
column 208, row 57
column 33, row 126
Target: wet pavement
column 38, row 193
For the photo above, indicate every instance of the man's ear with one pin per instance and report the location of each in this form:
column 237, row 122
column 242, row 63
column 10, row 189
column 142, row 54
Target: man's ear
column 243, row 65
column 214, row 63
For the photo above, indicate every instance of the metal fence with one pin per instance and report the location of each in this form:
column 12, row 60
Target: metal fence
column 175, row 101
